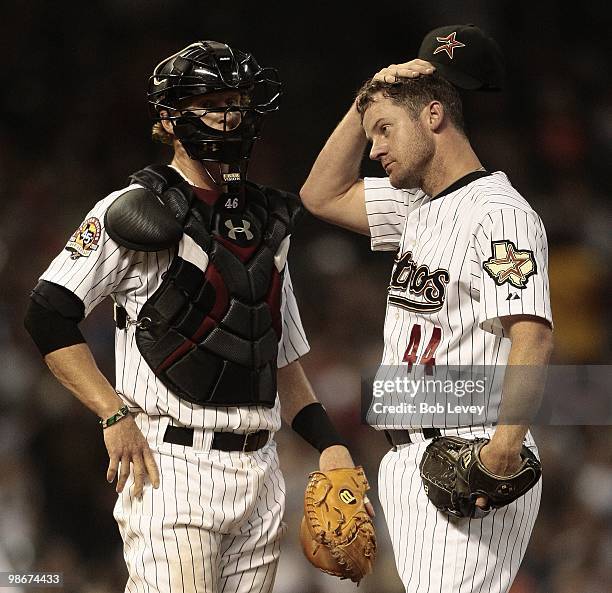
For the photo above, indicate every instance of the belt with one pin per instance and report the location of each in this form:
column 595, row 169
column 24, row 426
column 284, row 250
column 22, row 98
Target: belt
column 223, row 441
column 402, row 437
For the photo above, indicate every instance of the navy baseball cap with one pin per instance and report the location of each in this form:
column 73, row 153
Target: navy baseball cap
column 466, row 56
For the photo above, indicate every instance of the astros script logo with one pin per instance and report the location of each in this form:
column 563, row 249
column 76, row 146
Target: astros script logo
column 509, row 264
column 449, row 43
column 85, row 239
column 417, row 280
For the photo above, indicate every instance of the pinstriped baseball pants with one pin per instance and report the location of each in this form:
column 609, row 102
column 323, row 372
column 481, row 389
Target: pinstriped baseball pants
column 213, row 525
column 438, row 554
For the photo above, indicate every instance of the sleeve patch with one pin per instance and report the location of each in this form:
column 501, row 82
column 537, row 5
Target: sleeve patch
column 509, row 264
column 85, row 239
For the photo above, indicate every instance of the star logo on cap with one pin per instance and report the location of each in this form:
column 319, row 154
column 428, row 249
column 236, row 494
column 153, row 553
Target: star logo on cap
column 508, row 264
column 449, row 43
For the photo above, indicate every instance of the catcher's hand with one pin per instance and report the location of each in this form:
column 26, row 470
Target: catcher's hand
column 454, row 476
column 337, row 534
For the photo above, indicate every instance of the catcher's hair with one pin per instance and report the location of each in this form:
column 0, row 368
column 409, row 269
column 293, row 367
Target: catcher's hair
column 160, row 135
column 414, row 94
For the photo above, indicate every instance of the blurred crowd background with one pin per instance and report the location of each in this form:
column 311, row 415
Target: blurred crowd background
column 74, row 124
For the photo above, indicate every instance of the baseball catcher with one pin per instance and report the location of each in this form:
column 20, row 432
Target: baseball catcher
column 208, row 334
column 337, row 534
column 454, row 476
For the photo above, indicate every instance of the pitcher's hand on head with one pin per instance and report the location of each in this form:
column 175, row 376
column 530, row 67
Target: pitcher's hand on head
column 411, row 69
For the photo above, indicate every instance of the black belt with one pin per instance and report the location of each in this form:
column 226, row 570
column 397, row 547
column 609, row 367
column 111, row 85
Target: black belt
column 223, row 441
column 402, row 437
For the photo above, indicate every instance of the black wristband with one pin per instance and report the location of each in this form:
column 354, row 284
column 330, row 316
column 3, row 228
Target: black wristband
column 313, row 424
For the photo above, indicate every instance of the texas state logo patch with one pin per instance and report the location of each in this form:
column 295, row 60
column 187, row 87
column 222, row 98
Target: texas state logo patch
column 509, row 264
column 85, row 239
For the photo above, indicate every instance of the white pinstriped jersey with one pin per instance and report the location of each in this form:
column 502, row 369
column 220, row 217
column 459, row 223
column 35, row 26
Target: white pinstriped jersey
column 93, row 266
column 464, row 260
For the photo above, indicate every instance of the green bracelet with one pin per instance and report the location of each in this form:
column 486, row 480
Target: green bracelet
column 122, row 412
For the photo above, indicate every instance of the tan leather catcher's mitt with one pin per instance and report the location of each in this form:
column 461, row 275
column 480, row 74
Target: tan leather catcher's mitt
column 337, row 534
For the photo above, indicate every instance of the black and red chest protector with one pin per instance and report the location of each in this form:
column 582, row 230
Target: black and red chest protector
column 213, row 333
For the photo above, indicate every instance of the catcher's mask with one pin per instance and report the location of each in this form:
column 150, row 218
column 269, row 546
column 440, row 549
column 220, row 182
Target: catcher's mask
column 204, row 67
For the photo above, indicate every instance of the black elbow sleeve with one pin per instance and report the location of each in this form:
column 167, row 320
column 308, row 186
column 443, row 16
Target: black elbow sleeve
column 52, row 317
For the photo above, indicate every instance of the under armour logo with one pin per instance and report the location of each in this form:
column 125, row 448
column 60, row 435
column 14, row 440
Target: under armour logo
column 246, row 225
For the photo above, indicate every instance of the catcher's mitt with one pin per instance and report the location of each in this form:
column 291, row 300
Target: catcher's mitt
column 454, row 477
column 337, row 534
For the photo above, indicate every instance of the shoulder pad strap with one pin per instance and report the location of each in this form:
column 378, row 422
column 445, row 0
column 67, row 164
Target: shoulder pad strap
column 283, row 205
column 169, row 186
column 138, row 220
column 157, row 178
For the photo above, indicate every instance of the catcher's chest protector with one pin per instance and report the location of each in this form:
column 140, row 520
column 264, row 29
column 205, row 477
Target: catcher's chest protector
column 211, row 335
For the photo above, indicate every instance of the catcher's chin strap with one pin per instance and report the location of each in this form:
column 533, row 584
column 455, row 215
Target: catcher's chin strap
column 234, row 201
column 211, row 176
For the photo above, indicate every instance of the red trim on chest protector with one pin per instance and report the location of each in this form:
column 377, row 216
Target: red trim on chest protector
column 208, row 196
column 244, row 254
column 221, row 306
column 273, row 299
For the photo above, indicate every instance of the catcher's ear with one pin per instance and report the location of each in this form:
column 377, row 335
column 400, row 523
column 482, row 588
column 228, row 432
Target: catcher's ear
column 166, row 123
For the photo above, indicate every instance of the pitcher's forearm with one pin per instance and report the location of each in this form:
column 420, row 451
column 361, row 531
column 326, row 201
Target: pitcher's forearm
column 524, row 381
column 76, row 369
column 337, row 167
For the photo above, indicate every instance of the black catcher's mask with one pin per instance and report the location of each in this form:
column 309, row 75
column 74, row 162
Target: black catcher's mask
column 204, row 67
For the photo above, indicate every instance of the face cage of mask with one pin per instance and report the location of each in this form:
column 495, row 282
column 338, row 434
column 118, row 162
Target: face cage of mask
column 231, row 144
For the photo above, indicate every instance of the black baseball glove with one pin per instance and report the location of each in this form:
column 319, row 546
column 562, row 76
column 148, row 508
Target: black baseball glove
column 454, row 477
